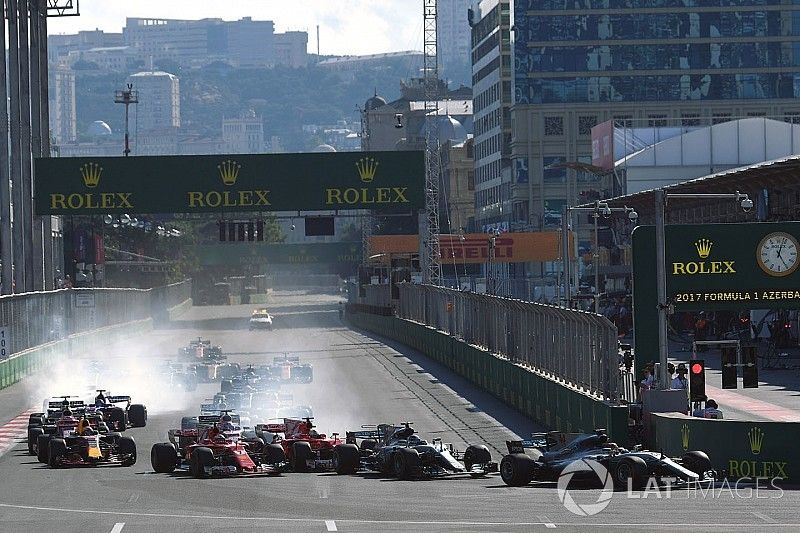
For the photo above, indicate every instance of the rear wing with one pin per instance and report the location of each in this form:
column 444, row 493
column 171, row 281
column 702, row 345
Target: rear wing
column 209, row 408
column 210, row 420
column 58, row 404
column 374, row 434
column 118, row 399
column 552, row 440
column 286, row 359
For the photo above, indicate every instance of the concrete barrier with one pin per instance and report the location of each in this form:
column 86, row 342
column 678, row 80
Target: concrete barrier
column 738, row 448
column 178, row 310
column 555, row 404
column 35, row 359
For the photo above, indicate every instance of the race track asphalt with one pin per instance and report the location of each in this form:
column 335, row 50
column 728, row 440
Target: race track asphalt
column 358, row 379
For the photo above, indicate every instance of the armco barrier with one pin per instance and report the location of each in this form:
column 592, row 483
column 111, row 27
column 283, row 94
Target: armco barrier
column 35, row 359
column 739, row 448
column 553, row 403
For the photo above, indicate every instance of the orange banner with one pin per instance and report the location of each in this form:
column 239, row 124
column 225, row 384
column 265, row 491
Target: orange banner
column 475, row 247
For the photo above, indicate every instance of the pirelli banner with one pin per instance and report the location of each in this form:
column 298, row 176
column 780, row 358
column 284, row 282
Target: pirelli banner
column 476, row 247
column 379, row 181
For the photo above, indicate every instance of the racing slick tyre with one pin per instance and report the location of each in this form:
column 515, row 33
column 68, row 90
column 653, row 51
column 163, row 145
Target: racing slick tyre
column 116, row 419
column 57, row 448
column 346, row 459
column 202, row 458
column 698, row 462
column 301, row 453
column 163, row 457
column 127, row 447
column 137, row 414
column 406, row 462
column 273, row 454
column 516, row 469
column 226, row 386
column 368, row 444
column 629, row 471
column 43, row 448
column 36, row 419
column 476, row 454
column 33, row 439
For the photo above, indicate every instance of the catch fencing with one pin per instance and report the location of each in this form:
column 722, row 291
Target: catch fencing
column 575, row 347
column 37, row 318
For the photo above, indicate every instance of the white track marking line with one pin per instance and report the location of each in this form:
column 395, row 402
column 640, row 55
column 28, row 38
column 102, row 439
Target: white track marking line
column 118, row 527
column 546, row 521
column 330, row 525
column 763, row 517
column 629, row 525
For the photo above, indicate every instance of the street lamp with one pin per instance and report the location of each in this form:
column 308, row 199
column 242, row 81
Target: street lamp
column 490, row 285
column 664, row 306
column 599, row 209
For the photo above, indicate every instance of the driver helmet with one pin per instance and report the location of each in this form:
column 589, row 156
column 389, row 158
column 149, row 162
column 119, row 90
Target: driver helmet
column 226, row 418
column 314, row 433
column 67, row 411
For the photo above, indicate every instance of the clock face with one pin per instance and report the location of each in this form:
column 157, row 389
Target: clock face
column 777, row 254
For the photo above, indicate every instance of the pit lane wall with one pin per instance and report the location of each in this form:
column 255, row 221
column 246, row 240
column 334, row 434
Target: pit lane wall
column 739, row 449
column 554, row 404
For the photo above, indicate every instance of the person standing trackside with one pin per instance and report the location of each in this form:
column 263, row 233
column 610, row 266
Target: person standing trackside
column 680, row 381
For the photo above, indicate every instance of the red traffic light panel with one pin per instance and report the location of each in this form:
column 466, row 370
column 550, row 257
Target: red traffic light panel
column 697, row 368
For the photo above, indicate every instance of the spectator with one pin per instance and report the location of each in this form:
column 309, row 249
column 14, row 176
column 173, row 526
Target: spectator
column 649, row 380
column 680, row 381
column 711, row 411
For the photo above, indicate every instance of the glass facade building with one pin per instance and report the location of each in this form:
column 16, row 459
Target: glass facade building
column 608, row 51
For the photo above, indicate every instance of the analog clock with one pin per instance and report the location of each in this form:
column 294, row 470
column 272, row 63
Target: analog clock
column 777, row 254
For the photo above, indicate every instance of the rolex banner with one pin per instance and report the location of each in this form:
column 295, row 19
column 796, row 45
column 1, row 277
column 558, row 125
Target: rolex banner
column 379, row 181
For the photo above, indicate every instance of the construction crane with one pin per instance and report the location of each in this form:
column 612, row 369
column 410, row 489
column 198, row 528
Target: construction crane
column 429, row 250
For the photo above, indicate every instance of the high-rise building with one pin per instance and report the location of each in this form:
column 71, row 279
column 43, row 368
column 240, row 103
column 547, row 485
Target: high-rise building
column 242, row 43
column 452, row 32
column 642, row 64
column 159, row 107
column 492, row 98
column 64, row 123
column 59, row 46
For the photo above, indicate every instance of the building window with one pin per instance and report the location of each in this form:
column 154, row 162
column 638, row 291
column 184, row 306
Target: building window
column 719, row 118
column 553, row 126
column 585, row 124
column 792, row 118
column 690, row 119
column 625, row 121
column 656, row 121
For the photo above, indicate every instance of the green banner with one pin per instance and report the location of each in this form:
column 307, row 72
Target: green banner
column 714, row 266
column 379, row 181
column 234, row 253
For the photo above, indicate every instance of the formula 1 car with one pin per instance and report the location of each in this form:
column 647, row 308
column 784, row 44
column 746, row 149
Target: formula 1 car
column 44, row 423
column 260, row 319
column 177, row 375
column 82, row 443
column 552, row 452
column 288, row 369
column 305, row 449
column 201, row 349
column 251, row 379
column 208, row 446
column 397, row 451
column 118, row 411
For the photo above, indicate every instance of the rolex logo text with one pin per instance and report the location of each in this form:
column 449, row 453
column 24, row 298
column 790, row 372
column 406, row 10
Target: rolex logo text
column 692, row 268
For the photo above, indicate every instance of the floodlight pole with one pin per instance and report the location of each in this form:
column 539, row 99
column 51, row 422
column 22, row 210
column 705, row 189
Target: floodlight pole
column 126, row 97
column 664, row 305
column 600, row 208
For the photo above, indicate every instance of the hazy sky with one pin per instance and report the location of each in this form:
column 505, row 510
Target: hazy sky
column 346, row 26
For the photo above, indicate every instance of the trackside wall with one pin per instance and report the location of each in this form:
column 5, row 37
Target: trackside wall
column 741, row 449
column 40, row 357
column 552, row 403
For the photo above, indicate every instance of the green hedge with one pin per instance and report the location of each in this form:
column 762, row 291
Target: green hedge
column 552, row 403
